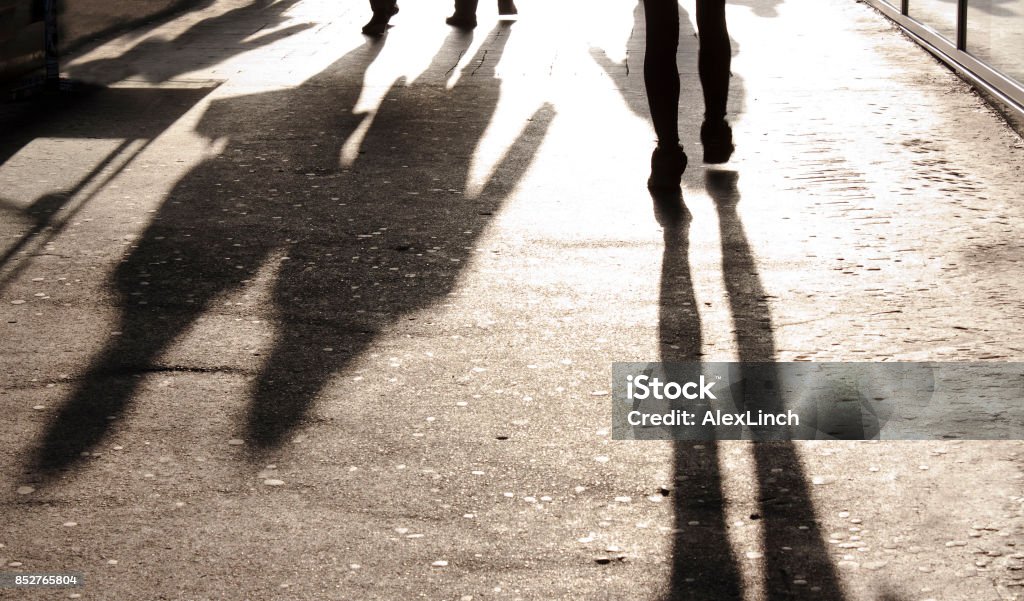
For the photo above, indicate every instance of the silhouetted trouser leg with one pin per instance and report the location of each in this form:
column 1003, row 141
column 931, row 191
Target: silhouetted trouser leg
column 661, row 75
column 661, row 80
column 507, row 7
column 382, row 6
column 466, row 7
column 714, row 60
column 714, row 57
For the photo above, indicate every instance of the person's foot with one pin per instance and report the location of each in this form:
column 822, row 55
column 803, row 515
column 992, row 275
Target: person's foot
column 716, row 136
column 507, row 7
column 462, row 21
column 379, row 23
column 667, row 166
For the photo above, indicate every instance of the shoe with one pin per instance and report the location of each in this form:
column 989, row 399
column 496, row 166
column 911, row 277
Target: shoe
column 507, row 7
column 716, row 136
column 378, row 24
column 462, row 21
column 667, row 166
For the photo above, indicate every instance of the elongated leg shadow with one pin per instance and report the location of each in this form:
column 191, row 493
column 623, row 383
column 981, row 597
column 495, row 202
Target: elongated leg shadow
column 703, row 564
column 791, row 539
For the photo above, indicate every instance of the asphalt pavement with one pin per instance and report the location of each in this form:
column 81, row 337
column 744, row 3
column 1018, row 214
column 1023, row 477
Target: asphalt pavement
column 292, row 313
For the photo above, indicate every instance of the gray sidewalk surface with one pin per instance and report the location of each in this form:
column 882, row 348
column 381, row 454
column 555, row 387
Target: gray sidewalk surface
column 289, row 313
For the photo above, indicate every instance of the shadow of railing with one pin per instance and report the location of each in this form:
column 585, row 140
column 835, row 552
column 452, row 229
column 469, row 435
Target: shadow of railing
column 221, row 37
column 100, row 114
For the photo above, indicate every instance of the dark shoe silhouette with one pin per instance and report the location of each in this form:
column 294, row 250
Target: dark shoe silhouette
column 462, row 21
column 379, row 23
column 716, row 136
column 667, row 166
column 669, row 209
column 507, row 7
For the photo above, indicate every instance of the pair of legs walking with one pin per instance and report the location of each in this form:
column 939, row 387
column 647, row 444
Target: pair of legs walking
column 661, row 79
column 465, row 12
column 463, row 18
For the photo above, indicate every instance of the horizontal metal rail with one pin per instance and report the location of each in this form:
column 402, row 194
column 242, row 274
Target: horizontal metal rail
column 1006, row 90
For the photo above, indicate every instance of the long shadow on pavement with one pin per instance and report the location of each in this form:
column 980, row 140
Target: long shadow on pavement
column 792, row 542
column 127, row 113
column 351, row 250
column 206, row 43
column 704, row 564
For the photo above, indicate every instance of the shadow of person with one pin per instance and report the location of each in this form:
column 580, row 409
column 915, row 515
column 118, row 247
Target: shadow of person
column 703, row 563
column 791, row 538
column 219, row 37
column 346, row 252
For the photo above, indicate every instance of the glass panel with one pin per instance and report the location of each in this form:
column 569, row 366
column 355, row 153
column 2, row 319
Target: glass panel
column 995, row 35
column 939, row 15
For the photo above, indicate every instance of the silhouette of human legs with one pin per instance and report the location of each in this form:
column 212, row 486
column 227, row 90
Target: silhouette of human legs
column 661, row 80
column 713, row 62
column 464, row 16
column 383, row 10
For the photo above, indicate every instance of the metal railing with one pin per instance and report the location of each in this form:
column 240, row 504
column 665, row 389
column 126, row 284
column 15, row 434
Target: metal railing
column 954, row 52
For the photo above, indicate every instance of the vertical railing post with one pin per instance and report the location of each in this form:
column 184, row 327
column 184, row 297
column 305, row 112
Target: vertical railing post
column 52, row 81
column 905, row 7
column 961, row 25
